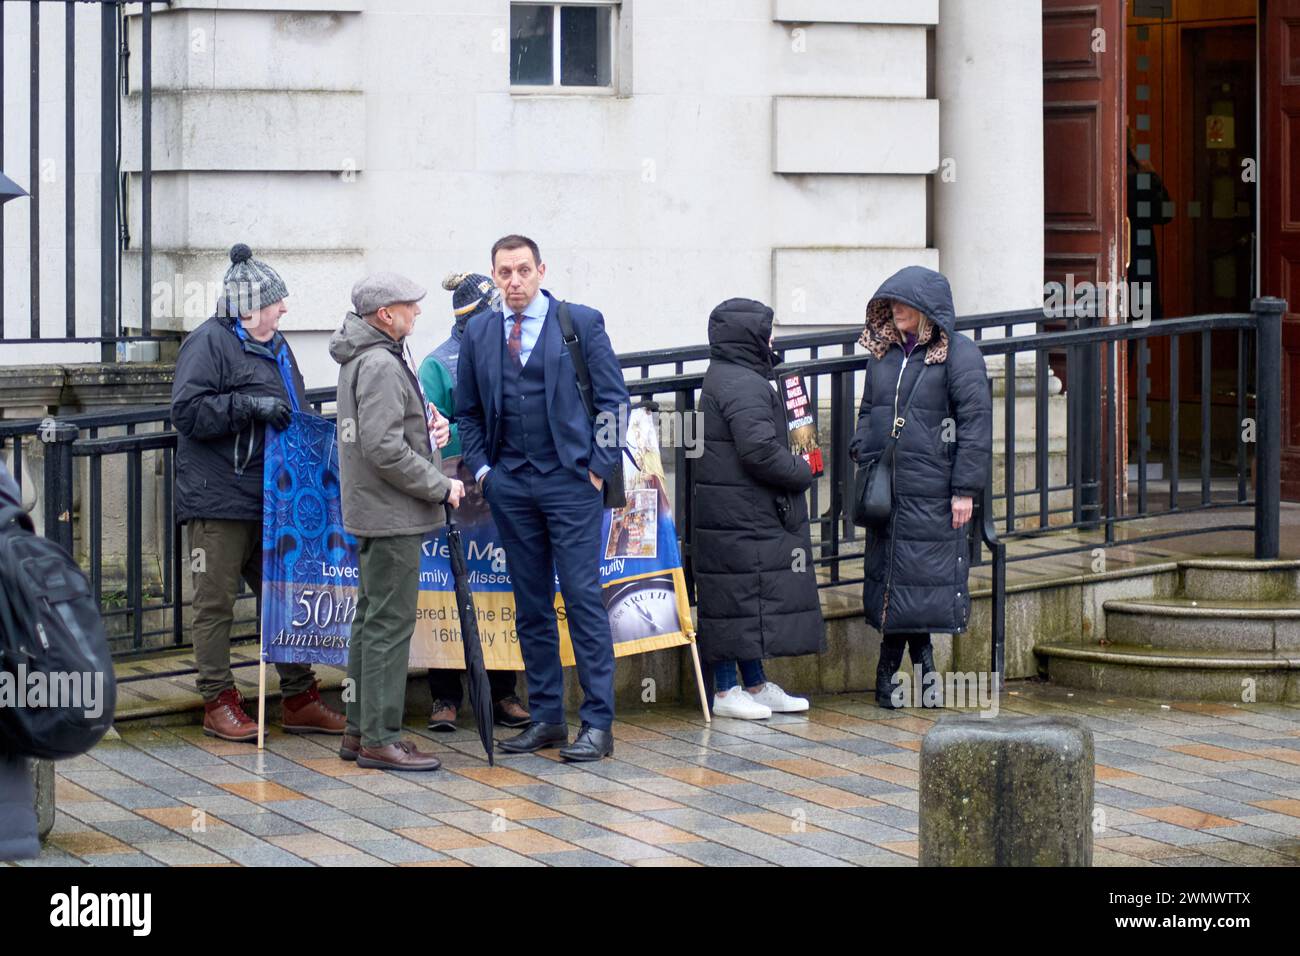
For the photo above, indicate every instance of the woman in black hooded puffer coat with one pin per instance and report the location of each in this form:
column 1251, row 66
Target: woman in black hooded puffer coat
column 755, row 581
column 916, row 569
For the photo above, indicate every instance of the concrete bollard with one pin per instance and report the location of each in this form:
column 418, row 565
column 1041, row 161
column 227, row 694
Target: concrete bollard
column 42, row 772
column 1006, row 791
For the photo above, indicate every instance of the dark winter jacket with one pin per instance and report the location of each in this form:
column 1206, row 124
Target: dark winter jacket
column 219, row 448
column 916, row 570
column 754, row 575
column 18, row 839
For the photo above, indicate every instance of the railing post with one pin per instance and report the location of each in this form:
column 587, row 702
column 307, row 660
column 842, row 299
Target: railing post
column 57, row 437
column 146, row 169
column 34, row 170
column 999, row 613
column 998, row 604
column 108, row 185
column 70, row 170
column 1268, row 425
column 1088, row 441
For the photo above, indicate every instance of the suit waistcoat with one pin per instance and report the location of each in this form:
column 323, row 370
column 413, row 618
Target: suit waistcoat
column 526, row 436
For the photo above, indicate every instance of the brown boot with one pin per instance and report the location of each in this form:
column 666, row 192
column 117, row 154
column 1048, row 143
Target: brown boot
column 349, row 747
column 225, row 718
column 398, row 756
column 509, row 712
column 306, row 713
column 443, row 718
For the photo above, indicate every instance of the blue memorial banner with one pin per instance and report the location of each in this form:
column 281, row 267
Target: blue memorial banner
column 309, row 563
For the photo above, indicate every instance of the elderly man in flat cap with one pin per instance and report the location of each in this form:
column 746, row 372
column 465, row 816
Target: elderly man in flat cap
column 393, row 493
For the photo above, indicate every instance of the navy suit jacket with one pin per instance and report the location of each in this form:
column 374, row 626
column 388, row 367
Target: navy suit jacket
column 582, row 444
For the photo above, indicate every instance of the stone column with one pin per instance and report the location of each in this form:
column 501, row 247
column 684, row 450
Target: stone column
column 988, row 204
column 988, row 193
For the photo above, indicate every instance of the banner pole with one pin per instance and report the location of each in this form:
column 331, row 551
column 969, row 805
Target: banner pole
column 261, row 699
column 699, row 681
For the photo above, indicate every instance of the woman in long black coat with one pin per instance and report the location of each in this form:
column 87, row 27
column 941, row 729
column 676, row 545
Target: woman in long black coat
column 916, row 568
column 755, row 581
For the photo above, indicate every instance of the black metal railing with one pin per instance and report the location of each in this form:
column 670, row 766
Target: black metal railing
column 113, row 236
column 1084, row 352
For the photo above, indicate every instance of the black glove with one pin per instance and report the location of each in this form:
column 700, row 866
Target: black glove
column 274, row 411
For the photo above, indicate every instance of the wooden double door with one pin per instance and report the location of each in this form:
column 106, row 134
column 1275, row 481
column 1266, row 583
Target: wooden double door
column 1201, row 100
column 1280, row 205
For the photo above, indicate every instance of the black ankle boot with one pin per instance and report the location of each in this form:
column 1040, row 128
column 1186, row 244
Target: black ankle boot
column 923, row 663
column 890, row 660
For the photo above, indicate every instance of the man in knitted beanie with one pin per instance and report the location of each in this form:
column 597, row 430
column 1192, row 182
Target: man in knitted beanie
column 235, row 377
column 472, row 296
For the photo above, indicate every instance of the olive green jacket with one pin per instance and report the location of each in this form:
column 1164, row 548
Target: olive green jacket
column 391, row 475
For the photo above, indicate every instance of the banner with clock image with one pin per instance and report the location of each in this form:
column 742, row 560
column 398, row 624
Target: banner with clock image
column 310, row 575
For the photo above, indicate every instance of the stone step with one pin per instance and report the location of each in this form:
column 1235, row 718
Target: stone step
column 1231, row 579
column 1141, row 671
column 1183, row 623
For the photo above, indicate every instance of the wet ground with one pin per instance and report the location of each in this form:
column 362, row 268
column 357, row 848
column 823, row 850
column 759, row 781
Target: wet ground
column 1179, row 783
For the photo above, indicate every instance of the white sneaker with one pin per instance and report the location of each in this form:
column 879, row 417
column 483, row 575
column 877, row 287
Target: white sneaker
column 778, row 701
column 740, row 705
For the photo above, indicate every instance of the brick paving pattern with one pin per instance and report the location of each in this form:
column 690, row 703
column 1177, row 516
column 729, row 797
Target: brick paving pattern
column 1185, row 784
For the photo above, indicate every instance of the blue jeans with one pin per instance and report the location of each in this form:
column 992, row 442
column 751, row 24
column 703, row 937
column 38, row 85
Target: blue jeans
column 724, row 674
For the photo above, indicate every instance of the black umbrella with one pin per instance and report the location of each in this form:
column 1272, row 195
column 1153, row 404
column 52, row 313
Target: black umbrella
column 9, row 189
column 480, row 691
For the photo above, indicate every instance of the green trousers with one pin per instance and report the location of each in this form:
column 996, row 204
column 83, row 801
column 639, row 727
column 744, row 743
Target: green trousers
column 388, row 590
column 221, row 552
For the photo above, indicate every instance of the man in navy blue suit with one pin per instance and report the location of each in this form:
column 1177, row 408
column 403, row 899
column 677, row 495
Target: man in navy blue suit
column 541, row 462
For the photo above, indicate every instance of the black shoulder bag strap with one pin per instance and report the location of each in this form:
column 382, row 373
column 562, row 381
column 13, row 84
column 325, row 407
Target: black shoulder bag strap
column 613, row 491
column 873, row 484
column 901, row 420
column 570, row 335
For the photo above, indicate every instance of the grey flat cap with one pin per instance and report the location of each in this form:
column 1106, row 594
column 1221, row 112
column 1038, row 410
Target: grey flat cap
column 384, row 288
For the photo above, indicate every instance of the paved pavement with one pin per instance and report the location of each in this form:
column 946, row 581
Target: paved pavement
column 1186, row 784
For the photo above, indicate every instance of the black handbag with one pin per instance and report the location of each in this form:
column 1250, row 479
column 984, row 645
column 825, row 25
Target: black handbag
column 873, row 484
column 613, row 490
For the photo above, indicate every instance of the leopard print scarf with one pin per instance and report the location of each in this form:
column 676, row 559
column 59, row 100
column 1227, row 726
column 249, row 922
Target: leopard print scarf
column 880, row 333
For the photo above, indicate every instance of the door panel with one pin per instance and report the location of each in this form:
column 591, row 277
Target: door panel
column 1280, row 209
column 1083, row 159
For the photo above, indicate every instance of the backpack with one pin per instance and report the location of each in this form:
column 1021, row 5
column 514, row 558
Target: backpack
column 57, row 691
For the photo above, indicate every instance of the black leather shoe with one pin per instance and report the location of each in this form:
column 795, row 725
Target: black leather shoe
column 536, row 737
column 590, row 744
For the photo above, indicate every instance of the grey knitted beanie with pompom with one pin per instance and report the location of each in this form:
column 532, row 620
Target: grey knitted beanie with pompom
column 249, row 285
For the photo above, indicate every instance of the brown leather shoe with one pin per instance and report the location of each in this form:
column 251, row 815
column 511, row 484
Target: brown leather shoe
column 306, row 713
column 399, row 756
column 443, row 718
column 225, row 718
column 349, row 747
column 510, row 713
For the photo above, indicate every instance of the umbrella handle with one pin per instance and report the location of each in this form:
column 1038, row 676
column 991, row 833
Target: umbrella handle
column 447, row 508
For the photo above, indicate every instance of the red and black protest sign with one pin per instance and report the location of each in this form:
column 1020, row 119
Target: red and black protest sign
column 801, row 422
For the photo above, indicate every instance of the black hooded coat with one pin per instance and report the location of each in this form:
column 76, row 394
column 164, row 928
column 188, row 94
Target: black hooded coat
column 916, row 569
column 755, row 581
